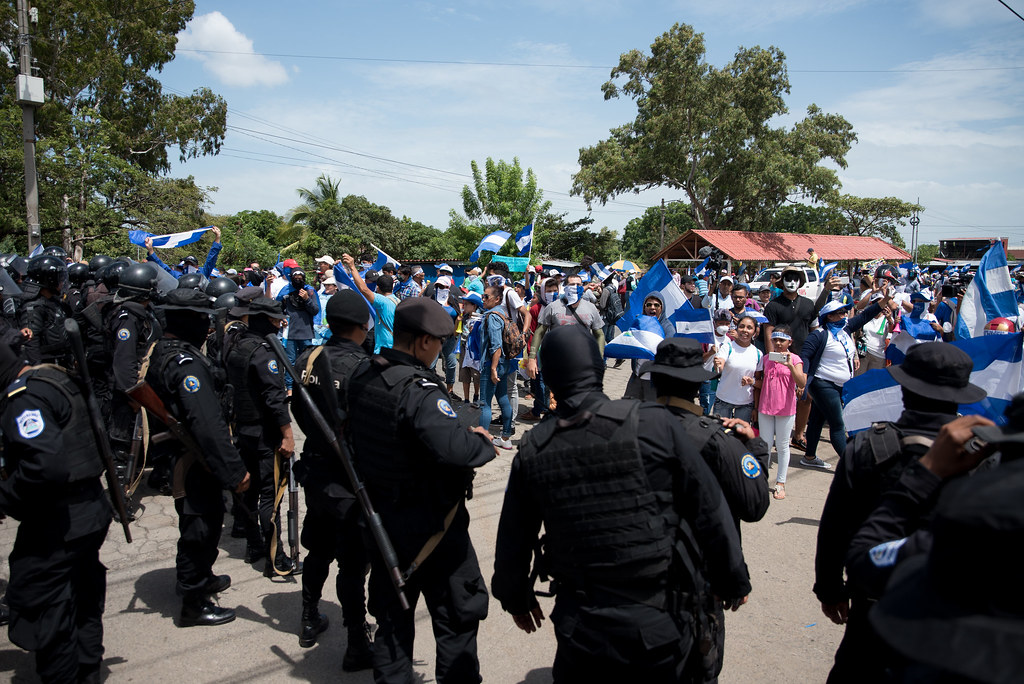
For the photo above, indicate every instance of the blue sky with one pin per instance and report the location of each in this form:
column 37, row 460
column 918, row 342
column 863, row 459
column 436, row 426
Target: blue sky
column 933, row 89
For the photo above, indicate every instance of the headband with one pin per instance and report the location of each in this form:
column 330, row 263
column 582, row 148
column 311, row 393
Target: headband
column 779, row 335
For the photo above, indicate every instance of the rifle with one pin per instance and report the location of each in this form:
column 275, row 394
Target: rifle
column 99, row 431
column 293, row 513
column 341, row 450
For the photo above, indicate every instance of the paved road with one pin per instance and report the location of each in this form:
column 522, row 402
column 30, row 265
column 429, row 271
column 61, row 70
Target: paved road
column 780, row 636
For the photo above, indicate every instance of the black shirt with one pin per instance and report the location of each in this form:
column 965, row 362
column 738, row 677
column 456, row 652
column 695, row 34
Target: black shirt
column 798, row 314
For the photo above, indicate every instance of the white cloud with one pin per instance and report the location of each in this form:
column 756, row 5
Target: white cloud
column 752, row 13
column 242, row 67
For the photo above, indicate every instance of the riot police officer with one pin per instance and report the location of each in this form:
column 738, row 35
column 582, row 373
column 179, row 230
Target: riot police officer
column 935, row 379
column 622, row 496
column 262, row 422
column 57, row 588
column 43, row 312
column 78, row 275
column 188, row 384
column 330, row 529
column 737, row 458
column 417, row 462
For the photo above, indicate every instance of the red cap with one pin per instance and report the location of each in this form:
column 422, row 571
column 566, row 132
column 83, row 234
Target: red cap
column 290, row 263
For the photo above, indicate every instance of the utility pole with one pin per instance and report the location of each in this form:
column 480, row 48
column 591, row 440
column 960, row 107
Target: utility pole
column 914, row 223
column 661, row 243
column 30, row 95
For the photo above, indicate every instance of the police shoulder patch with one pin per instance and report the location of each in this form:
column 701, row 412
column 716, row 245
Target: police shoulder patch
column 751, row 468
column 191, row 384
column 124, row 334
column 30, row 423
column 272, row 366
column 444, row 407
column 884, row 555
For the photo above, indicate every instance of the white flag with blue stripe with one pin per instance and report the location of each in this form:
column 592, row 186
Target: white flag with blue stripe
column 492, row 243
column 658, row 279
column 600, row 271
column 138, row 237
column 990, row 295
column 524, row 239
column 639, row 342
column 382, row 259
column 875, row 396
column 37, row 251
column 694, row 323
column 826, row 269
column 702, row 269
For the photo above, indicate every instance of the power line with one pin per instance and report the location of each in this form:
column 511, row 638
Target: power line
column 1011, row 9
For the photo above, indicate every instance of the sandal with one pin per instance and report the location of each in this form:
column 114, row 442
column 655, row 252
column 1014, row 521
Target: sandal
column 780, row 490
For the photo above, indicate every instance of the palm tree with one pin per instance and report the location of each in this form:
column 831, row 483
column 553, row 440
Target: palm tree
column 295, row 229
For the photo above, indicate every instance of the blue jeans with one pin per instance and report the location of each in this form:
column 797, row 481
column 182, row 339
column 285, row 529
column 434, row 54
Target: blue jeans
column 708, row 388
column 540, row 394
column 292, row 349
column 450, row 360
column 489, row 390
column 826, row 405
column 724, row 409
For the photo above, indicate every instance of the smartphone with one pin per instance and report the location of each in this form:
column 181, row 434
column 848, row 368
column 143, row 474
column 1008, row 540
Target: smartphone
column 777, row 357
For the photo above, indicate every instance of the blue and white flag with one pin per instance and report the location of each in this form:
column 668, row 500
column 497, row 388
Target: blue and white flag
column 343, row 278
column 524, row 239
column 640, row 341
column 906, row 268
column 492, row 243
column 757, row 316
column 138, row 237
column 826, row 269
column 702, row 269
column 990, row 295
column 382, row 259
column 694, row 323
column 600, row 271
column 657, row 279
column 36, row 252
column 875, row 396
column 899, row 346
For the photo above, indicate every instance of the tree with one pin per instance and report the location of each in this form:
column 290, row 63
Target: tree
column 926, row 253
column 802, row 218
column 105, row 131
column 641, row 239
column 873, row 216
column 707, row 131
column 501, row 199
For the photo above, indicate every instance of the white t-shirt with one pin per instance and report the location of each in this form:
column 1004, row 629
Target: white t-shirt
column 510, row 298
column 836, row 363
column 739, row 362
column 720, row 340
column 875, row 336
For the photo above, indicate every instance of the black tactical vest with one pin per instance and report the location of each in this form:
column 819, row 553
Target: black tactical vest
column 53, row 340
column 167, row 351
column 237, row 363
column 80, row 458
column 604, row 525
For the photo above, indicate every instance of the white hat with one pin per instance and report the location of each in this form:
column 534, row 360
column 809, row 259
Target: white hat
column 724, row 278
column 416, row 270
column 444, row 268
column 328, row 281
column 475, row 270
column 326, row 259
column 443, row 281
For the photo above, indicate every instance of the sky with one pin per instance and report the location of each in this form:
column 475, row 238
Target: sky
column 395, row 99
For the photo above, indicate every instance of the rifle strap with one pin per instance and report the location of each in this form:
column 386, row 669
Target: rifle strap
column 144, row 365
column 309, row 363
column 431, row 544
column 280, row 485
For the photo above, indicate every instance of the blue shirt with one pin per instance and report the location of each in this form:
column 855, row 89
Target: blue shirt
column 493, row 327
column 384, row 330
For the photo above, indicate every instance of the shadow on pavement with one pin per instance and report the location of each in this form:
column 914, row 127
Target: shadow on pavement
column 154, row 593
column 538, row 676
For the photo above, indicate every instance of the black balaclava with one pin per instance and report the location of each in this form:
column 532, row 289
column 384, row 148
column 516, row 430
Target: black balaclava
column 262, row 325
column 572, row 363
column 191, row 326
column 10, row 365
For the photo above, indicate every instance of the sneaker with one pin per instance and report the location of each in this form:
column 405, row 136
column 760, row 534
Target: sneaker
column 815, row 463
column 502, row 443
column 530, row 417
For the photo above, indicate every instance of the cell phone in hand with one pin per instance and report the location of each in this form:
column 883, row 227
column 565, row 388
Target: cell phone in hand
column 777, row 357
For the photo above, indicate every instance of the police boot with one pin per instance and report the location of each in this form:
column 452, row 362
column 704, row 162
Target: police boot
column 285, row 566
column 204, row 613
column 359, row 654
column 314, row 623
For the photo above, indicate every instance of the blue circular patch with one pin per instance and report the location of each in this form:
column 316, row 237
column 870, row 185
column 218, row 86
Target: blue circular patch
column 751, row 468
column 446, row 408
column 272, row 366
column 191, row 384
column 124, row 334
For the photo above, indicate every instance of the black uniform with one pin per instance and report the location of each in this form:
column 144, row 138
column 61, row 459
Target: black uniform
column 58, row 583
column 417, row 463
column 871, row 466
column 131, row 328
column 45, row 318
column 618, row 488
column 185, row 381
column 261, row 410
column 330, row 528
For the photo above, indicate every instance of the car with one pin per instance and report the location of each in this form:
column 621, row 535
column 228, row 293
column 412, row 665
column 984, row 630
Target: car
column 811, row 289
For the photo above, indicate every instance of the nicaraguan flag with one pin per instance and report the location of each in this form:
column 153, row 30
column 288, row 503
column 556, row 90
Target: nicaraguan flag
column 524, row 239
column 899, row 346
column 382, row 259
column 828, row 268
column 39, row 250
column 600, row 271
column 639, row 342
column 694, row 323
column 875, row 396
column 757, row 316
column 343, row 278
column 918, row 328
column 492, row 243
column 990, row 295
column 138, row 237
column 904, row 269
column 657, row 279
column 702, row 269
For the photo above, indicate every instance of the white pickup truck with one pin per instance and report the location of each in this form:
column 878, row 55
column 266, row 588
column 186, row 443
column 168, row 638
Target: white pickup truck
column 811, row 289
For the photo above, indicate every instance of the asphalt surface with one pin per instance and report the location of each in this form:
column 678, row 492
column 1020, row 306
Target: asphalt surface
column 779, row 636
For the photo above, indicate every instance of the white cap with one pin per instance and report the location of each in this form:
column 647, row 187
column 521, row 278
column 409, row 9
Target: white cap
column 326, row 259
column 443, row 281
column 328, row 281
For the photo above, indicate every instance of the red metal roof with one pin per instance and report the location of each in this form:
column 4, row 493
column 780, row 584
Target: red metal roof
column 753, row 246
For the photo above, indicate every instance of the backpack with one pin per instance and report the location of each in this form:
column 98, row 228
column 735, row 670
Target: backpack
column 513, row 340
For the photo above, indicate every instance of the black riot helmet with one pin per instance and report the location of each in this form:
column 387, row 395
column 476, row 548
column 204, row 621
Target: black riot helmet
column 98, row 262
column 220, row 286
column 47, row 271
column 78, row 274
column 228, row 300
column 110, row 274
column 138, row 280
column 194, row 281
column 55, row 251
column 17, row 268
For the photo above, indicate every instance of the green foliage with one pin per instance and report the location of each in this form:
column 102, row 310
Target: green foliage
column 873, row 216
column 707, row 131
column 926, row 253
column 244, row 236
column 641, row 239
column 802, row 218
column 501, row 198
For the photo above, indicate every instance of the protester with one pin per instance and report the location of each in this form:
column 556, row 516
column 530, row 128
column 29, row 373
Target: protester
column 776, row 410
column 919, row 322
column 737, row 361
column 443, row 295
column 708, row 388
column 328, row 288
column 495, row 367
column 469, row 354
column 720, row 298
column 875, row 338
column 384, row 304
column 301, row 304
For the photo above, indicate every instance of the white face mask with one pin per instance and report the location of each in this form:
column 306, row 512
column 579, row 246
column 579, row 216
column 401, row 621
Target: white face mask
column 722, row 330
column 550, row 296
column 572, row 293
column 791, row 285
column 441, row 295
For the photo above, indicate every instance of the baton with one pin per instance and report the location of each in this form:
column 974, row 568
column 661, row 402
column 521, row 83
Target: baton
column 99, row 432
column 341, row 450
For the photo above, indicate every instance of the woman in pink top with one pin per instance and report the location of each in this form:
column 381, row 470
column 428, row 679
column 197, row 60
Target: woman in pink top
column 776, row 412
